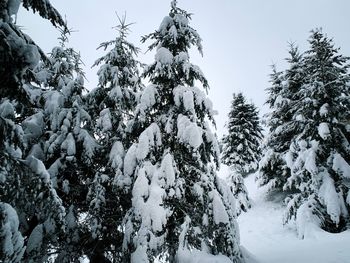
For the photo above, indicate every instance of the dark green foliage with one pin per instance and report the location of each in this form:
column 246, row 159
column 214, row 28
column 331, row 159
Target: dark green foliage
column 45, row 10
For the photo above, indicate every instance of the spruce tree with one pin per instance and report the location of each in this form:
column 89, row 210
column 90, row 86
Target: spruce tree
column 271, row 160
column 273, row 167
column 241, row 146
column 239, row 191
column 319, row 154
column 25, row 184
column 69, row 146
column 178, row 208
column 112, row 105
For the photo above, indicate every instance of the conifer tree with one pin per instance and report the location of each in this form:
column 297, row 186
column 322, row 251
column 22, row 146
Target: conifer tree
column 271, row 160
column 178, row 208
column 112, row 105
column 241, row 146
column 69, row 146
column 239, row 191
column 319, row 154
column 273, row 168
column 25, row 184
column 18, row 51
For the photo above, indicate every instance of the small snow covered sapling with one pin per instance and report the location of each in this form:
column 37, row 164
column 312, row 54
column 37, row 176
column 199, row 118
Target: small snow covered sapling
column 238, row 189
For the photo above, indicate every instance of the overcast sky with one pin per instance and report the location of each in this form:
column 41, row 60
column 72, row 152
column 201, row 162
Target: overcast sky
column 241, row 38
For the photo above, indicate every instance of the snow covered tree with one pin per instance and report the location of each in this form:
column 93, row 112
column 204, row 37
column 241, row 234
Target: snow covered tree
column 112, row 105
column 319, row 155
column 237, row 188
column 18, row 52
column 178, row 209
column 272, row 168
column 25, row 184
column 241, row 146
column 283, row 94
column 69, row 146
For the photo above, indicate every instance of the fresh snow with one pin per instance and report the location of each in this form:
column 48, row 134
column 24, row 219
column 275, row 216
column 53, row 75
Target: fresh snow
column 7, row 110
column 147, row 100
column 184, row 95
column 330, row 197
column 35, row 239
column 266, row 240
column 196, row 256
column 340, row 165
column 324, row 110
column 30, row 54
column 105, row 120
column 182, row 20
column 189, row 132
column 149, row 138
column 219, row 211
column 307, row 157
column 164, row 56
column 165, row 23
column 39, row 168
column 116, row 155
column 323, row 130
column 181, row 57
column 130, row 160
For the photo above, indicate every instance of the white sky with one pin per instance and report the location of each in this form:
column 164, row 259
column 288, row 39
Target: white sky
column 241, row 39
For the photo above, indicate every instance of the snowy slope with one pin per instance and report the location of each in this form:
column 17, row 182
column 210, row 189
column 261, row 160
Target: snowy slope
column 265, row 240
column 264, row 236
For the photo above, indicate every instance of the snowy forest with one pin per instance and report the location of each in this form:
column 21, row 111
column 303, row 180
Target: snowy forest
column 132, row 169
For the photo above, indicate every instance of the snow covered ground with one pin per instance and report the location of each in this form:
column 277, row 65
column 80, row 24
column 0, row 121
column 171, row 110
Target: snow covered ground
column 264, row 236
column 265, row 240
